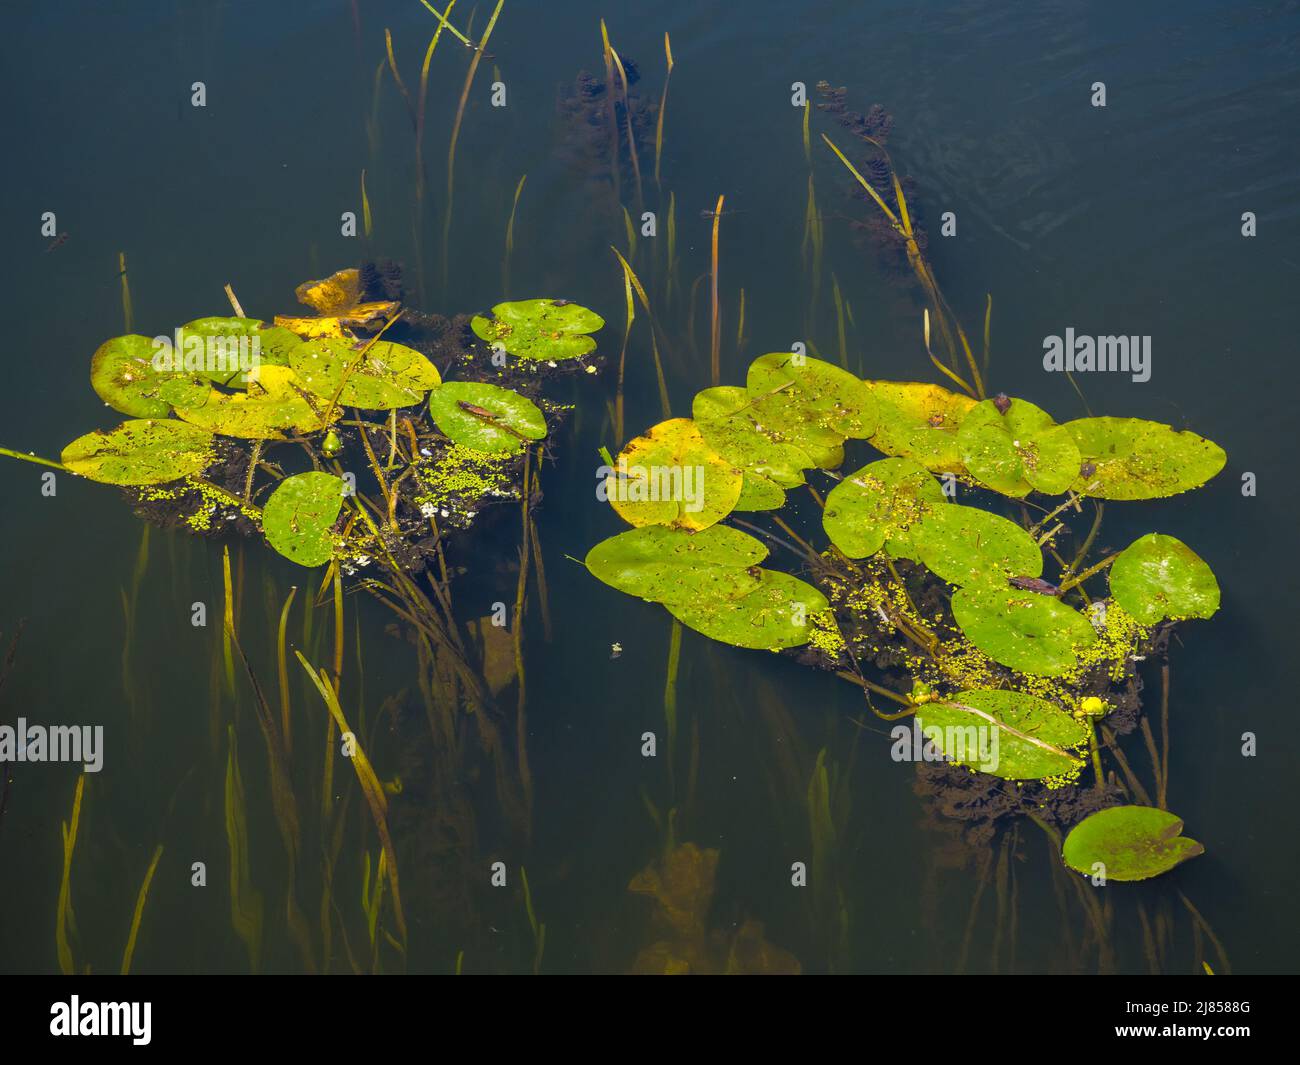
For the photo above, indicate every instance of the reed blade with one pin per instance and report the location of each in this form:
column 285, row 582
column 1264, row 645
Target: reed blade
column 129, row 953
column 510, row 239
column 63, row 920
column 455, row 137
column 127, row 316
column 715, row 335
column 370, row 786
column 663, row 107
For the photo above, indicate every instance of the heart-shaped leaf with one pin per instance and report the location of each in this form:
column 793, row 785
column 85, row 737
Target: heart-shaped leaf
column 123, row 375
column 965, row 545
column 1017, row 451
column 759, row 493
column 1008, row 734
column 486, row 417
column 1128, row 843
column 540, row 329
column 879, row 504
column 1029, row 632
column 229, row 350
column 778, row 613
column 145, row 451
column 671, row 476
column 841, row 400
column 1129, row 458
column 275, row 401
column 744, row 429
column 300, row 514
column 920, row 421
column 1159, row 577
column 381, row 376
column 674, row 566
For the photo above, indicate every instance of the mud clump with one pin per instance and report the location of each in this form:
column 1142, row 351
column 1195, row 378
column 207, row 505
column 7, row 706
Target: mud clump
column 587, row 141
column 872, row 129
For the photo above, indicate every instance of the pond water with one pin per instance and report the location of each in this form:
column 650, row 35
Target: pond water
column 1123, row 219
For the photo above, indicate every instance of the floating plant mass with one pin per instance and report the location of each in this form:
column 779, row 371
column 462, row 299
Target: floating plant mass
column 218, row 392
column 994, row 647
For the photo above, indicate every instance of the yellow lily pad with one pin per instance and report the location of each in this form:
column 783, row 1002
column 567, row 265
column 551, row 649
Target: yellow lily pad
column 143, row 451
column 880, row 504
column 671, row 476
column 274, row 402
column 385, row 377
column 1131, row 458
column 920, row 421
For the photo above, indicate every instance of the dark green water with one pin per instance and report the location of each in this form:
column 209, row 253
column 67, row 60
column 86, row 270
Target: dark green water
column 1125, row 219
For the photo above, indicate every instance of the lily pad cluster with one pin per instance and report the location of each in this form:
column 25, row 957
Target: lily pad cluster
column 246, row 380
column 1013, row 648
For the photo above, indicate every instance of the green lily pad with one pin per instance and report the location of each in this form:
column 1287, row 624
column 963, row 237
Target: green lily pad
column 1130, row 843
column 1129, row 458
column 123, row 375
column 671, row 476
column 1005, row 733
column 389, row 376
column 771, row 434
column 274, row 402
column 486, row 417
column 674, row 566
column 759, row 493
column 777, row 614
column 1029, row 632
column 300, row 514
column 844, row 402
column 879, row 504
column 920, row 421
column 1159, row 576
column 965, row 545
column 275, row 347
column 144, row 451
column 540, row 329
column 1019, row 451
column 1050, row 457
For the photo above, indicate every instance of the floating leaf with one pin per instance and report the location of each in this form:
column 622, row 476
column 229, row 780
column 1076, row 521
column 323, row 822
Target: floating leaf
column 300, row 514
column 123, row 375
column 758, row 493
column 1019, row 451
column 1130, row 842
column 879, row 504
column 388, row 376
column 670, row 476
column 844, row 402
column 965, row 545
column 1129, row 458
column 274, row 402
column 337, row 300
column 730, row 420
column 1029, row 632
column 145, row 451
column 1159, row 576
column 231, row 347
column 674, row 566
column 1005, row 733
column 777, row 614
column 540, row 329
column 486, row 417
column 920, row 421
